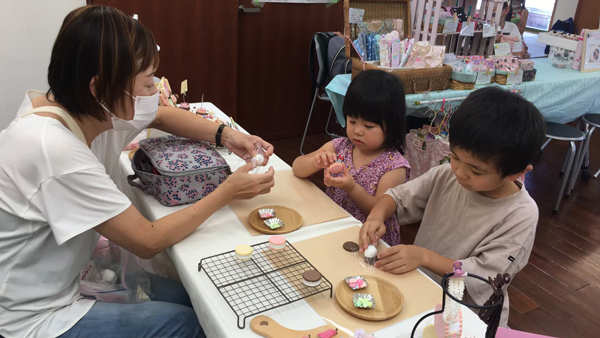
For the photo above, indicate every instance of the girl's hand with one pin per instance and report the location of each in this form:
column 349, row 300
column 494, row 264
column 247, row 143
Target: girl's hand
column 401, row 258
column 324, row 159
column 371, row 231
column 241, row 185
column 345, row 182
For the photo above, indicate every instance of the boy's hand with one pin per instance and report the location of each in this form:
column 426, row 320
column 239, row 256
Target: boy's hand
column 344, row 182
column 324, row 159
column 370, row 233
column 401, row 258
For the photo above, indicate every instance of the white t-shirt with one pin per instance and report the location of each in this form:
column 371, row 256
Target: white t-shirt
column 513, row 30
column 53, row 191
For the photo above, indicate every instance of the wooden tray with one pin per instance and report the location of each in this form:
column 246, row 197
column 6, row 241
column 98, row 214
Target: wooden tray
column 292, row 219
column 267, row 327
column 389, row 301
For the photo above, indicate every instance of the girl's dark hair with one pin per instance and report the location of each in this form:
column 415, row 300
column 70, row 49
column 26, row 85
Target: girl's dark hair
column 508, row 16
column 378, row 97
column 103, row 43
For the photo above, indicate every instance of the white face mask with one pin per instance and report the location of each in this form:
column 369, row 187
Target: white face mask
column 145, row 109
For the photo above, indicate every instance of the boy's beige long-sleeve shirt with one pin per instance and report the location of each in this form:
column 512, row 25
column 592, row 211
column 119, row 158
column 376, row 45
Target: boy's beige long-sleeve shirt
column 488, row 236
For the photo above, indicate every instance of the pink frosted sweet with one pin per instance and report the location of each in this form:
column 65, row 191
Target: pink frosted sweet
column 336, row 168
column 356, row 282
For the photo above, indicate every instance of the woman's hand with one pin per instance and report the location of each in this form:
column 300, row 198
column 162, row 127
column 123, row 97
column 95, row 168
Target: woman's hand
column 371, row 231
column 344, row 182
column 245, row 146
column 241, row 185
column 324, row 159
column 401, row 258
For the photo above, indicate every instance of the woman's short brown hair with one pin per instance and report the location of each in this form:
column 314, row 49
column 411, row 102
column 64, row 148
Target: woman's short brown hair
column 100, row 42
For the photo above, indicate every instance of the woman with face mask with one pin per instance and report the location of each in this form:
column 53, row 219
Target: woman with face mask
column 57, row 197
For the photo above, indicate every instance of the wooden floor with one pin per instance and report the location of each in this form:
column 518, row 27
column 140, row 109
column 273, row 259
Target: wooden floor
column 558, row 292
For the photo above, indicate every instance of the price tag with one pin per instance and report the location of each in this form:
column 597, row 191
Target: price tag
column 468, row 29
column 184, row 87
column 483, row 78
column 502, row 48
column 514, row 78
column 489, row 30
column 450, row 26
column 356, row 15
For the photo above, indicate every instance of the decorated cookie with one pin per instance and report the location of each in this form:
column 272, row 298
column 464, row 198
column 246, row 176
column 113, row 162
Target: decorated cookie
column 363, row 301
column 356, row 282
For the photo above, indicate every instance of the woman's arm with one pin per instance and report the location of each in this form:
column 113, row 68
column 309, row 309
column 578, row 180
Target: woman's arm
column 308, row 164
column 185, row 124
column 363, row 200
column 145, row 239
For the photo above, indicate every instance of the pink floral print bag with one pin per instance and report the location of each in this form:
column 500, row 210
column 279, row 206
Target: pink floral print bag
column 177, row 170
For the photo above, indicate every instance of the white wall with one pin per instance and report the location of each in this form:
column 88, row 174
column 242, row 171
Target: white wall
column 27, row 32
column 565, row 9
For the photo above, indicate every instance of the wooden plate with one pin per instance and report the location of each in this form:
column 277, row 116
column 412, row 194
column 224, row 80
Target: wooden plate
column 267, row 327
column 389, row 301
column 291, row 218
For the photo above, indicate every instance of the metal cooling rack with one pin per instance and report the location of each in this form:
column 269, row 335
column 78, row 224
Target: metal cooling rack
column 268, row 280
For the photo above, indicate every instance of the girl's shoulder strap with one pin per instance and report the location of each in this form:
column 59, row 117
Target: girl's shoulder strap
column 71, row 124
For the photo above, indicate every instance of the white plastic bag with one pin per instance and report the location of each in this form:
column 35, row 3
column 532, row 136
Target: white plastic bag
column 113, row 275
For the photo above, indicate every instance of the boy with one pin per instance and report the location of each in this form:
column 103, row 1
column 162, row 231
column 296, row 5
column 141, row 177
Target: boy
column 473, row 210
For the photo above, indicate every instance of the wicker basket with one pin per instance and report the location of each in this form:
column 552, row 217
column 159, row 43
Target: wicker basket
column 377, row 10
column 500, row 79
column 457, row 85
column 414, row 80
column 462, row 81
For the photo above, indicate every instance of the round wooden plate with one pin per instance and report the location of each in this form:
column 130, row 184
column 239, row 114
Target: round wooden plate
column 291, row 218
column 389, row 301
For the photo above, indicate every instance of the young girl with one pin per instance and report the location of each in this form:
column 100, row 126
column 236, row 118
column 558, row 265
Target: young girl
column 375, row 111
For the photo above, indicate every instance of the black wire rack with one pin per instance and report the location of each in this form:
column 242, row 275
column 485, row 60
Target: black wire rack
column 270, row 279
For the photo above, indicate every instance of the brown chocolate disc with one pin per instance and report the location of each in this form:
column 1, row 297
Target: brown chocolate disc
column 311, row 275
column 351, row 247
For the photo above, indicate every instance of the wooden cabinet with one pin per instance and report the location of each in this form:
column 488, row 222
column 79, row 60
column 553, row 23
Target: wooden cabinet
column 254, row 65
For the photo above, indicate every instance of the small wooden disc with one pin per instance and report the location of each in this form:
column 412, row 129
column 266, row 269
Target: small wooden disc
column 292, row 219
column 389, row 301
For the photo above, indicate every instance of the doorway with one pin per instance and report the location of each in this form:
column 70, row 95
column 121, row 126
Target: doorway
column 540, row 14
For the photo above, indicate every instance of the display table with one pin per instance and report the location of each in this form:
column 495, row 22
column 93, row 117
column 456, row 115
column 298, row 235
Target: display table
column 561, row 95
column 223, row 232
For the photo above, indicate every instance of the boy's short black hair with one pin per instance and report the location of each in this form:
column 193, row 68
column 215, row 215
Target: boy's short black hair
column 378, row 97
column 495, row 125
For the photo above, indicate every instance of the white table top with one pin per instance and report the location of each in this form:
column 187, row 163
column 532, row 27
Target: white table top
column 223, row 232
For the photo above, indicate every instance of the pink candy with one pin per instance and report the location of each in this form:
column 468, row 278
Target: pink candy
column 356, row 282
column 327, row 334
